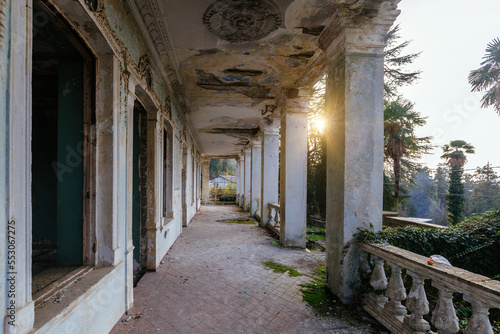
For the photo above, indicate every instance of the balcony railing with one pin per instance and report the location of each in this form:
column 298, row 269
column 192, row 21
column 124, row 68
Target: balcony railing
column 274, row 217
column 385, row 301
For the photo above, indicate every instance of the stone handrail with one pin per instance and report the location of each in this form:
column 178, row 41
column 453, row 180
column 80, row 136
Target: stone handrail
column 392, row 219
column 405, row 221
column 274, row 217
column 481, row 292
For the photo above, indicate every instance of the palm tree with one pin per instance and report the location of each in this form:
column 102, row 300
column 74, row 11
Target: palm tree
column 487, row 77
column 455, row 154
column 400, row 121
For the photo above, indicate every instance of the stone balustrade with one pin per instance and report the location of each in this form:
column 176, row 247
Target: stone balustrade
column 384, row 302
column 274, row 217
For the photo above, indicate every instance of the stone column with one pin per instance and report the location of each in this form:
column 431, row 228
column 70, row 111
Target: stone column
column 354, row 138
column 270, row 169
column 255, row 176
column 241, row 180
column 237, row 181
column 205, row 194
column 293, row 164
column 248, row 160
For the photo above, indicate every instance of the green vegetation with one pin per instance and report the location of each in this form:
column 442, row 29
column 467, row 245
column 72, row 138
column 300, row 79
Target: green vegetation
column 455, row 154
column 471, row 245
column 400, row 140
column 316, row 236
column 316, row 233
column 222, row 167
column 487, row 77
column 241, row 222
column 317, row 294
column 280, row 268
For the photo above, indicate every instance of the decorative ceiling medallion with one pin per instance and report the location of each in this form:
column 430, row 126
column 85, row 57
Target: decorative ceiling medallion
column 242, row 20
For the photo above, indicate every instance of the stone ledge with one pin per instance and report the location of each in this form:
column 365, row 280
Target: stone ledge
column 407, row 221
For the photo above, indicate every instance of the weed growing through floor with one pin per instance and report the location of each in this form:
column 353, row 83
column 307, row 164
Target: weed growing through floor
column 316, row 293
column 279, row 268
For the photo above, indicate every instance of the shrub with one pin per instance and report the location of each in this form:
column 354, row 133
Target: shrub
column 473, row 244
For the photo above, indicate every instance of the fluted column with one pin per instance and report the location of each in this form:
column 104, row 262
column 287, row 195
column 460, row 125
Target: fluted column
column 205, row 193
column 270, row 169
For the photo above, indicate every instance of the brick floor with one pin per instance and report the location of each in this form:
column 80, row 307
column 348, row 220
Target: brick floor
column 213, row 281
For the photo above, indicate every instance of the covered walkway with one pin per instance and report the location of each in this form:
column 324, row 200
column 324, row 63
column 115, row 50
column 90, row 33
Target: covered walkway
column 213, row 281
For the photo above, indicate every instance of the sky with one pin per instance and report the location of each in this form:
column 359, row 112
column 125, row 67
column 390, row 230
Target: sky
column 452, row 36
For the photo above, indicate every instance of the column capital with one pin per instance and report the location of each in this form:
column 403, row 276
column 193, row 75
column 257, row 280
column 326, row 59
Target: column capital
column 269, row 125
column 205, row 159
column 256, row 141
column 358, row 28
column 294, row 100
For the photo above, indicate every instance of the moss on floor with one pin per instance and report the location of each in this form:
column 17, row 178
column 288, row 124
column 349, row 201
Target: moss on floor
column 241, row 222
column 280, row 268
column 316, row 293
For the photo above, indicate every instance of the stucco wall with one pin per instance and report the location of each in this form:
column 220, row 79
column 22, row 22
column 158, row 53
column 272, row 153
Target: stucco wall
column 100, row 307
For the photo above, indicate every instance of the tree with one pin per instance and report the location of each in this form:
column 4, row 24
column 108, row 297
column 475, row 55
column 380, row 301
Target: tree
column 487, row 77
column 222, row 167
column 441, row 179
column 316, row 153
column 486, row 194
column 395, row 76
column 400, row 122
column 455, row 155
column 394, row 62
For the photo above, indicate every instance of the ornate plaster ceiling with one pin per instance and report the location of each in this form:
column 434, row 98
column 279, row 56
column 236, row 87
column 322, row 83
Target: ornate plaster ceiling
column 234, row 57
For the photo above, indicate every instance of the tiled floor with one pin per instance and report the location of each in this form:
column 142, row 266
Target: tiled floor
column 213, row 281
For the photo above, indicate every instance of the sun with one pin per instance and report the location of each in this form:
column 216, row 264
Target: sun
column 319, row 124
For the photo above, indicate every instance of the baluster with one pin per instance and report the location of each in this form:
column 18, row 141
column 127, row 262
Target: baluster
column 272, row 214
column 396, row 293
column 363, row 262
column 417, row 304
column 479, row 322
column 278, row 218
column 444, row 317
column 378, row 281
